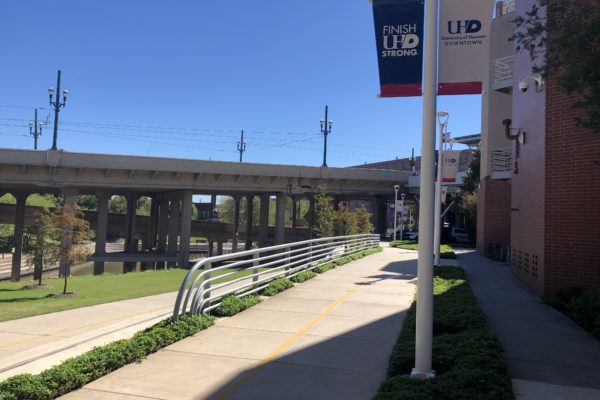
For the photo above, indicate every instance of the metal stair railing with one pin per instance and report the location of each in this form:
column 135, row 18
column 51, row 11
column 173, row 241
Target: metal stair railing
column 203, row 286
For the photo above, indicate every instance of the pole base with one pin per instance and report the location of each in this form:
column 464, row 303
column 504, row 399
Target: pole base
column 416, row 374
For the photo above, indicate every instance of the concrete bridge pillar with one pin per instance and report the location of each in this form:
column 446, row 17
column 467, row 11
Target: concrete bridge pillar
column 173, row 229
column 236, row 223
column 249, row 212
column 263, row 228
column 130, row 242
column 186, row 229
column 210, row 248
column 163, row 227
column 15, row 275
column 64, row 268
column 280, row 219
column 220, row 248
column 294, row 211
column 101, row 222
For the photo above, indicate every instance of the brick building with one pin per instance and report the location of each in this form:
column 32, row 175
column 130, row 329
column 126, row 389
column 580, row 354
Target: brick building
column 540, row 187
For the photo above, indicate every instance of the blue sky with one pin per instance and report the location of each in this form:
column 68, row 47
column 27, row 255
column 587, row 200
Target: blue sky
column 182, row 78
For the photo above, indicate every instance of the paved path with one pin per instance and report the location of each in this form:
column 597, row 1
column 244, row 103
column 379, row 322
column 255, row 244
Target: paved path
column 549, row 357
column 35, row 343
column 328, row 338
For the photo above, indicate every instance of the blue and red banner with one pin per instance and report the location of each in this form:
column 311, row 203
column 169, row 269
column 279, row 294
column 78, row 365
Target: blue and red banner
column 399, row 39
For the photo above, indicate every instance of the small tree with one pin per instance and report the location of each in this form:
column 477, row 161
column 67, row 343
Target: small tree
column 345, row 221
column 72, row 231
column 325, row 214
column 363, row 220
column 41, row 246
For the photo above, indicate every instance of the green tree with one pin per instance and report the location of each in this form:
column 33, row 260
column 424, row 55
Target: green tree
column 363, row 220
column 325, row 219
column 563, row 41
column 87, row 202
column 40, row 244
column 466, row 199
column 117, row 205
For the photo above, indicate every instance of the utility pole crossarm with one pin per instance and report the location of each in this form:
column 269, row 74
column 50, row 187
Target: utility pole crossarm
column 241, row 146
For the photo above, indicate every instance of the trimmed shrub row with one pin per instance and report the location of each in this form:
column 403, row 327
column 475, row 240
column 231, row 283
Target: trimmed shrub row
column 78, row 371
column 446, row 251
column 278, row 286
column 303, row 276
column 466, row 357
column 231, row 304
column 581, row 305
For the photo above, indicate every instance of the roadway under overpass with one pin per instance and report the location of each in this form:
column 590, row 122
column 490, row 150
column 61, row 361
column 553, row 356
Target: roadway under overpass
column 171, row 183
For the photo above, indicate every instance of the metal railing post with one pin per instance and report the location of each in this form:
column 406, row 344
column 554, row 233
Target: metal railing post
column 287, row 260
column 207, row 291
column 255, row 269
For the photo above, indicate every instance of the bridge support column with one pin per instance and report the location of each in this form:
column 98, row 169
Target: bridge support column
column 236, row 223
column 64, row 268
column 263, row 228
column 163, row 226
column 210, row 248
column 101, row 222
column 186, row 229
column 220, row 248
column 294, row 211
column 149, row 243
column 249, row 212
column 130, row 242
column 280, row 219
column 15, row 273
column 173, row 229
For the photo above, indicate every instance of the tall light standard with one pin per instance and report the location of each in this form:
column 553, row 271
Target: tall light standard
column 57, row 106
column 326, row 125
column 35, row 130
column 402, row 222
column 396, row 188
column 437, row 226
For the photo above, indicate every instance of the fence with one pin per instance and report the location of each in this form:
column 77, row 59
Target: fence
column 248, row 272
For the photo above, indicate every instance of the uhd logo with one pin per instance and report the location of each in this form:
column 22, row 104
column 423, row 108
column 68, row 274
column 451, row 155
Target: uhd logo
column 465, row 26
column 400, row 40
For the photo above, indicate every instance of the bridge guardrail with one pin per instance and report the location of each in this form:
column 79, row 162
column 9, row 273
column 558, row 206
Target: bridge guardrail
column 204, row 285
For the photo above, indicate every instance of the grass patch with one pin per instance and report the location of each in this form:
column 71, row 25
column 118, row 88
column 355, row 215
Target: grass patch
column 78, row 371
column 277, row 286
column 581, row 305
column 303, row 276
column 319, row 269
column 231, row 304
column 466, row 357
column 446, row 251
column 17, row 302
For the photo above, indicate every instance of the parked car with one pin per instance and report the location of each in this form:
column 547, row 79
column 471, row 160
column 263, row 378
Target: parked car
column 412, row 234
column 459, row 235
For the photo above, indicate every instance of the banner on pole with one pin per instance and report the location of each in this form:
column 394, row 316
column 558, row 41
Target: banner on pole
column 464, row 45
column 450, row 161
column 399, row 39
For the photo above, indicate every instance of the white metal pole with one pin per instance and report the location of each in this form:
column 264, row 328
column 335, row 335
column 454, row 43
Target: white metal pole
column 424, row 320
column 402, row 220
column 395, row 211
column 438, row 200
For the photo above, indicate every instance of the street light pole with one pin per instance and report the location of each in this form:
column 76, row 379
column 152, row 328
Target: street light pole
column 402, row 221
column 424, row 315
column 326, row 130
column 443, row 121
column 396, row 187
column 57, row 106
column 35, row 130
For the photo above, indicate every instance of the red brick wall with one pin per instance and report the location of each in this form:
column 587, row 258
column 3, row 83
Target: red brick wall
column 572, row 215
column 493, row 216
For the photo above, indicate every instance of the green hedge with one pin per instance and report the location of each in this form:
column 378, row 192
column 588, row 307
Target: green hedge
column 581, row 305
column 278, row 286
column 446, row 251
column 78, row 371
column 231, row 304
column 466, row 357
column 303, row 276
column 319, row 269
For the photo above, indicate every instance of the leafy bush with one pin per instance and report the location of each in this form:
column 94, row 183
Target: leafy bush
column 466, row 357
column 277, row 286
column 303, row 276
column 581, row 305
column 231, row 304
column 78, row 371
column 323, row 268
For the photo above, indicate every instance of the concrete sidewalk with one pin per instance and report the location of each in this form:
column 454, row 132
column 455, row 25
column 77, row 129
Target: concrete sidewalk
column 32, row 344
column 328, row 338
column 549, row 357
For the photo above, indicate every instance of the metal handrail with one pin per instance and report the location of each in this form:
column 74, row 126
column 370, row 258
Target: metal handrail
column 199, row 291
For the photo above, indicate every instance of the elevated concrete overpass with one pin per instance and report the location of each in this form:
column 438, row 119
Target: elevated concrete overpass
column 171, row 183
